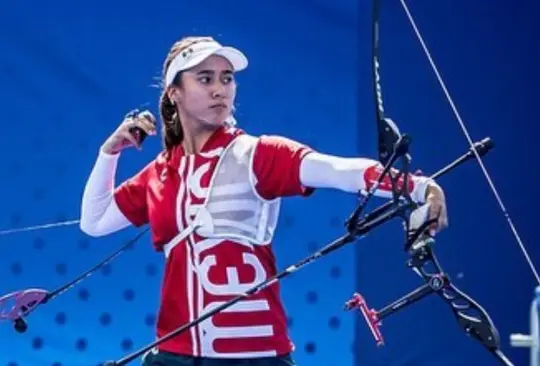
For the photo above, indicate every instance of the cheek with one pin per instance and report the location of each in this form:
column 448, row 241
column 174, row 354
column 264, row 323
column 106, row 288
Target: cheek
column 197, row 99
column 231, row 91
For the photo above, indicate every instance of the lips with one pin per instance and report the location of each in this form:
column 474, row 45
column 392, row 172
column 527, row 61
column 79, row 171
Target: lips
column 218, row 105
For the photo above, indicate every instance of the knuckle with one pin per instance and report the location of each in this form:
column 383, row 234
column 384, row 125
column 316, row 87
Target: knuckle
column 128, row 122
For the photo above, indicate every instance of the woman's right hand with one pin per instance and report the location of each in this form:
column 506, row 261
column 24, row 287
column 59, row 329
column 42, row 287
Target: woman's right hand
column 123, row 137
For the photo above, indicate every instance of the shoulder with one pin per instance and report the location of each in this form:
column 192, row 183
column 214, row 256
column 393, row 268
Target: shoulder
column 281, row 145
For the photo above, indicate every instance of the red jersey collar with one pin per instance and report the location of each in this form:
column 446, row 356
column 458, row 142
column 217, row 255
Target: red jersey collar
column 220, row 137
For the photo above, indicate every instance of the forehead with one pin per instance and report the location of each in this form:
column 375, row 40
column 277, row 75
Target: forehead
column 213, row 63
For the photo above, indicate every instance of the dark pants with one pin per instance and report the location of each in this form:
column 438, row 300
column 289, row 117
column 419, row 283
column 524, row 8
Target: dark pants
column 170, row 359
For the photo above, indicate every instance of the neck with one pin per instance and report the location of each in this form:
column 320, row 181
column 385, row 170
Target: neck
column 196, row 134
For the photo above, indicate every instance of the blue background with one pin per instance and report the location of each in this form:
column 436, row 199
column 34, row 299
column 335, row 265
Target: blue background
column 69, row 72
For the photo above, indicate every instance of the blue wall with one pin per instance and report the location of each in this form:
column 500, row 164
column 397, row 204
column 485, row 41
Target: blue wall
column 68, row 73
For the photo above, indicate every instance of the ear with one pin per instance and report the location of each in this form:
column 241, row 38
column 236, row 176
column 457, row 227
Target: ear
column 175, row 94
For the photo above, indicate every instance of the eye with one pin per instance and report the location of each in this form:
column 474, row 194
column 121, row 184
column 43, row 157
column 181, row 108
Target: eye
column 204, row 79
column 228, row 79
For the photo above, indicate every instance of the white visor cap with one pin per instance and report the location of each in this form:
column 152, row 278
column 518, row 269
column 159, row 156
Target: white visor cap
column 200, row 51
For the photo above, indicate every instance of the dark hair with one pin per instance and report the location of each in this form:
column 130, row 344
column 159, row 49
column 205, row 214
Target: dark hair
column 172, row 133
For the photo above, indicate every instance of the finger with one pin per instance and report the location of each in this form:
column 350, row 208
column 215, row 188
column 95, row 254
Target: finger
column 434, row 214
column 434, row 210
column 144, row 121
column 146, row 126
column 443, row 219
column 132, row 126
column 442, row 222
column 147, row 115
column 128, row 123
column 132, row 139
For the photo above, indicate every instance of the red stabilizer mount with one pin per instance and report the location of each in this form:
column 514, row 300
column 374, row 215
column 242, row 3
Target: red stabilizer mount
column 370, row 315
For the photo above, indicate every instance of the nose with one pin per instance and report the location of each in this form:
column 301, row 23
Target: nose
column 218, row 91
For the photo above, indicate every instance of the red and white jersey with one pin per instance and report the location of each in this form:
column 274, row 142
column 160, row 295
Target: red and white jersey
column 202, row 273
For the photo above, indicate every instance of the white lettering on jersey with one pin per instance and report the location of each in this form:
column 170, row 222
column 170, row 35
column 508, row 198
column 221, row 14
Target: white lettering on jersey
column 205, row 261
column 233, row 285
column 210, row 332
column 194, row 181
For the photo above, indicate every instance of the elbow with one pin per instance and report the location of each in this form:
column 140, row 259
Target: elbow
column 90, row 228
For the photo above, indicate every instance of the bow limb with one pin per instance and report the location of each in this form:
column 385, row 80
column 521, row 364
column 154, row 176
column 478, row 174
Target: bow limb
column 470, row 315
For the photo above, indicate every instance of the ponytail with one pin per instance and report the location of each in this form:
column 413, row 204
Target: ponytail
column 172, row 133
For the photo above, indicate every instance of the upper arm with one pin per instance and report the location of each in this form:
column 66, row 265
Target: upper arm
column 276, row 166
column 131, row 197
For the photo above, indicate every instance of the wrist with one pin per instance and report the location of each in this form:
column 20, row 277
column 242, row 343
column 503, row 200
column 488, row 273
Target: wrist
column 107, row 149
column 423, row 187
column 431, row 188
column 110, row 147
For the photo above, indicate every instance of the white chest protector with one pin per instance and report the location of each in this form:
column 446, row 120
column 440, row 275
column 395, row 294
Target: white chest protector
column 232, row 208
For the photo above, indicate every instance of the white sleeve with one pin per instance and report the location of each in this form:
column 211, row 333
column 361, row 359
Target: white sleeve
column 351, row 174
column 100, row 214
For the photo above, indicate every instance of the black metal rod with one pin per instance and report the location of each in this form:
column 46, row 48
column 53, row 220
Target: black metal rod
column 406, row 300
column 351, row 224
column 482, row 147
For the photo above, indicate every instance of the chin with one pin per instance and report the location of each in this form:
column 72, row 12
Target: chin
column 214, row 121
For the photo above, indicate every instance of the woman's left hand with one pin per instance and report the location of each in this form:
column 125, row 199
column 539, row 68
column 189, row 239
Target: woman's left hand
column 436, row 199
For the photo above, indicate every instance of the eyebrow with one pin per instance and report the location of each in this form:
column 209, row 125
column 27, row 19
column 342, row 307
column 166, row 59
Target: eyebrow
column 204, row 72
